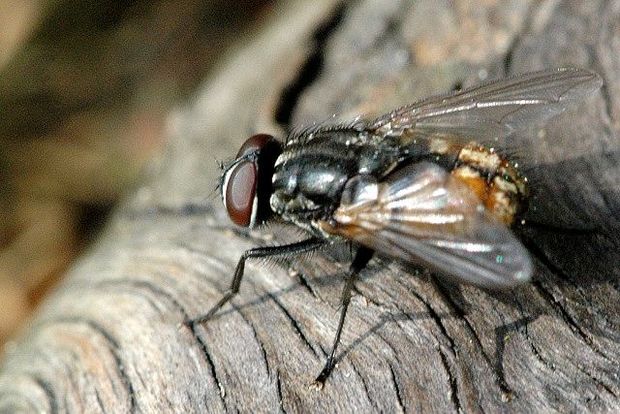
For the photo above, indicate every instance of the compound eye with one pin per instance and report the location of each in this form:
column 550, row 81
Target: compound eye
column 246, row 185
column 240, row 192
column 254, row 143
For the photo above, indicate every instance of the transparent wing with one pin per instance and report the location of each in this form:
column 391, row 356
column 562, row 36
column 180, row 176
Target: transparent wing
column 423, row 215
column 495, row 109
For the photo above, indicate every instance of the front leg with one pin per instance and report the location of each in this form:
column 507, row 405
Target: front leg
column 265, row 252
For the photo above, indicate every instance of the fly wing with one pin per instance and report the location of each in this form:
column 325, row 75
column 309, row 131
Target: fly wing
column 423, row 215
column 495, row 109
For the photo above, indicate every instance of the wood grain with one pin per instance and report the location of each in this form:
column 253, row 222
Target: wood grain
column 112, row 337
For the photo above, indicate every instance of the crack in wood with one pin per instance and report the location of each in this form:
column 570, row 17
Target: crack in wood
column 452, row 381
column 99, row 401
column 550, row 366
column 598, row 381
column 256, row 337
column 366, row 389
column 568, row 319
column 501, row 334
column 310, row 70
column 264, row 354
column 294, row 324
column 554, row 303
column 397, row 390
column 279, row 391
column 112, row 345
column 454, row 307
column 437, row 319
column 205, row 352
column 49, row 392
column 536, row 352
column 304, row 282
column 161, row 293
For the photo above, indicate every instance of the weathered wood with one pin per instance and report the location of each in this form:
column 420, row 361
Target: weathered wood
column 112, row 338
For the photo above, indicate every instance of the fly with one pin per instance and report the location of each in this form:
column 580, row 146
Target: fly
column 420, row 184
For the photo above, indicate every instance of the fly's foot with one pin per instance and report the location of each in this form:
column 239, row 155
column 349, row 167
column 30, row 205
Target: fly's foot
column 319, row 382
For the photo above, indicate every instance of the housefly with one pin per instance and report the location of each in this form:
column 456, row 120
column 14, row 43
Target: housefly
column 421, row 184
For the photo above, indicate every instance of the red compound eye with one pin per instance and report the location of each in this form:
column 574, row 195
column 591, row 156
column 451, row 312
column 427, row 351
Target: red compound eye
column 254, row 143
column 240, row 192
column 241, row 182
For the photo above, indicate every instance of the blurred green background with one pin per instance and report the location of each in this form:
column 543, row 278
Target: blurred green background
column 85, row 87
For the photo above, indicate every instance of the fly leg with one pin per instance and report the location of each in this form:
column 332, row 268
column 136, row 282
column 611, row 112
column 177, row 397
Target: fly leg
column 264, row 252
column 362, row 257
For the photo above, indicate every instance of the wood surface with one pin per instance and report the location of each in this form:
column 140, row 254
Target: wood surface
column 112, row 338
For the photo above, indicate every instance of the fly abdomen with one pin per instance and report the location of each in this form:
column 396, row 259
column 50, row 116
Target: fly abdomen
column 497, row 182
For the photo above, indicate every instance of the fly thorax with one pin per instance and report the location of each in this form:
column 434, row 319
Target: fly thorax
column 305, row 188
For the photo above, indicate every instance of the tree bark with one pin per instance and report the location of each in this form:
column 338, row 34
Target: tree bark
column 112, row 336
